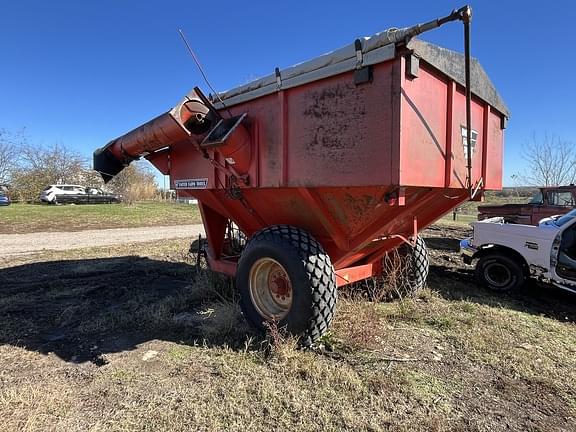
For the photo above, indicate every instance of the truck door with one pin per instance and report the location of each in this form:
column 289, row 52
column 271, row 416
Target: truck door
column 564, row 249
column 556, row 202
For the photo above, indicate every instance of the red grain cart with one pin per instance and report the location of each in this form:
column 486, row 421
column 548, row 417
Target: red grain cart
column 327, row 166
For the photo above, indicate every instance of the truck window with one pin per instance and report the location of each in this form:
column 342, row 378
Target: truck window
column 558, row 198
column 537, row 199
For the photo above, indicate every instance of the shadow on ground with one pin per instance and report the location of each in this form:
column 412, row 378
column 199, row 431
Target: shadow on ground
column 83, row 309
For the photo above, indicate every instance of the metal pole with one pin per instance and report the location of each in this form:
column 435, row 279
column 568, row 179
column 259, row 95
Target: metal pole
column 405, row 34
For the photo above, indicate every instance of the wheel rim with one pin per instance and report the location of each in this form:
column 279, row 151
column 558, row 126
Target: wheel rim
column 270, row 289
column 497, row 275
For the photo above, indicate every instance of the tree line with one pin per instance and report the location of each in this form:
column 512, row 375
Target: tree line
column 26, row 169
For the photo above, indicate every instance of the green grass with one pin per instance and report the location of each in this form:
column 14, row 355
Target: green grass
column 462, row 219
column 25, row 218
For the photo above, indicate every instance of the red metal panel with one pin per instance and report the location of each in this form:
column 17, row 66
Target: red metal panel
column 215, row 226
column 349, row 275
column 331, row 225
column 222, row 265
column 355, row 207
column 396, row 121
column 283, row 129
column 334, row 126
column 340, row 133
column 495, row 148
column 161, row 160
column 449, row 135
column 459, row 143
column 330, row 214
column 423, row 129
column 432, row 118
column 266, row 113
column 188, row 163
column 485, row 134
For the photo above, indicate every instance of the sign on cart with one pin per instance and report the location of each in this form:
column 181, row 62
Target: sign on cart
column 199, row 183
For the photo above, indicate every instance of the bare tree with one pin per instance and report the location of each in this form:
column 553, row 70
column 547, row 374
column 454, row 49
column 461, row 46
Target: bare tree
column 30, row 168
column 551, row 161
column 8, row 155
column 40, row 166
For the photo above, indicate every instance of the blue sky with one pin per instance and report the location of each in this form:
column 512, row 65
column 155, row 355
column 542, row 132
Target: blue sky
column 82, row 73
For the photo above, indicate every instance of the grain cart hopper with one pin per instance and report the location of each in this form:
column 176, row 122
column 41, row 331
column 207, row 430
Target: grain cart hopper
column 327, row 166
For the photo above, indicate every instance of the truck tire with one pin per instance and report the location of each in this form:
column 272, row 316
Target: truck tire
column 499, row 272
column 285, row 277
column 406, row 268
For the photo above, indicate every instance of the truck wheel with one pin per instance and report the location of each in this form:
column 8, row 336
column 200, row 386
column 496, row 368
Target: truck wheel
column 284, row 276
column 405, row 269
column 499, row 272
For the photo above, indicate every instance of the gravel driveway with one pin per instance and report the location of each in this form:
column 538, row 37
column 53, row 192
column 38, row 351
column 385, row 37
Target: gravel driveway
column 20, row 244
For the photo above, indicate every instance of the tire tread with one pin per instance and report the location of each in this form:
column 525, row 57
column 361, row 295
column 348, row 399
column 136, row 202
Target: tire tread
column 319, row 269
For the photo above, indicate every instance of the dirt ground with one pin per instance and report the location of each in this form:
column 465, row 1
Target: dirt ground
column 134, row 337
column 20, row 244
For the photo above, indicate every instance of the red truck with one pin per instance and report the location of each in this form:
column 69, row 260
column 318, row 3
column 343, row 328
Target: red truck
column 548, row 201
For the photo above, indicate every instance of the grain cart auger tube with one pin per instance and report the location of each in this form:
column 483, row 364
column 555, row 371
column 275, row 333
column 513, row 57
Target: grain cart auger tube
column 326, row 168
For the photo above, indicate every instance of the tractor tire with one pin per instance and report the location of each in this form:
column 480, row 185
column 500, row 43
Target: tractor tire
column 406, row 268
column 284, row 277
column 500, row 273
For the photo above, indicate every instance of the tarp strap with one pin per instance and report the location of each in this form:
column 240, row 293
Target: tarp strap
column 278, row 78
column 359, row 54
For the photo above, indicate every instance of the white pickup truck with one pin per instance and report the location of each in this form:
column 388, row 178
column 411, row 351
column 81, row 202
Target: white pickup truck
column 508, row 254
